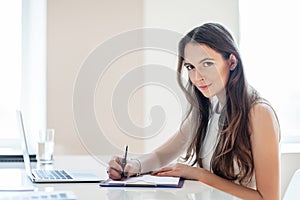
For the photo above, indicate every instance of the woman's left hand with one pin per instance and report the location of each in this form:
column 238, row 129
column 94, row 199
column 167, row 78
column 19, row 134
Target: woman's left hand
column 180, row 170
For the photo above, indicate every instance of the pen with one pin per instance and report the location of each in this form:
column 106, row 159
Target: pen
column 123, row 164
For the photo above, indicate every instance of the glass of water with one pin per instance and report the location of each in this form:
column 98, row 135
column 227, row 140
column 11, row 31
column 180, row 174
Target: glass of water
column 45, row 148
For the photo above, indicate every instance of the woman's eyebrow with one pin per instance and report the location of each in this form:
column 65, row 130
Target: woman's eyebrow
column 204, row 59
column 186, row 64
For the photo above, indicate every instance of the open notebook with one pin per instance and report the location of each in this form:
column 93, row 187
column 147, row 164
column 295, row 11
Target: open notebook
column 145, row 181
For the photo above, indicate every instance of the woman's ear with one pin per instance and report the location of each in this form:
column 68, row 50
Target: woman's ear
column 232, row 62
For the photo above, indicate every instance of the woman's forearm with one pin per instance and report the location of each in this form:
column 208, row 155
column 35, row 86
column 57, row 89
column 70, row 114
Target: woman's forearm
column 233, row 188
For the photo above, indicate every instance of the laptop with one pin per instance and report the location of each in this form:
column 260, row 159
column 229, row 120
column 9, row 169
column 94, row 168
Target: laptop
column 46, row 175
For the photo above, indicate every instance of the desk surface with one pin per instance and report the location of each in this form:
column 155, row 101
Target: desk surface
column 15, row 176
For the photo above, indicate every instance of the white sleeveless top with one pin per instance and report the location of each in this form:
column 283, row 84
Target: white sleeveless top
column 212, row 138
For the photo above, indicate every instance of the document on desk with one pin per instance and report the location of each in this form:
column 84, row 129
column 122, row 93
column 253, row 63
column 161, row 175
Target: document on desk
column 145, row 181
column 57, row 195
column 16, row 189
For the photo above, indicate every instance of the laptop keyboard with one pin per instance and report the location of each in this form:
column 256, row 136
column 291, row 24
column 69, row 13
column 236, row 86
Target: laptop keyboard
column 52, row 174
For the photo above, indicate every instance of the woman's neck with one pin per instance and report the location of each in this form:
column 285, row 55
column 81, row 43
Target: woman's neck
column 221, row 96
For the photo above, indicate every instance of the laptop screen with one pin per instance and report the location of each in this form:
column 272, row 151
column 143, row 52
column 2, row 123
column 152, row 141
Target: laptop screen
column 24, row 143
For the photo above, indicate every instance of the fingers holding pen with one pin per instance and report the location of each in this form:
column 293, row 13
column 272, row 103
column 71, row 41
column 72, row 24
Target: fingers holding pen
column 115, row 169
column 115, row 163
column 113, row 174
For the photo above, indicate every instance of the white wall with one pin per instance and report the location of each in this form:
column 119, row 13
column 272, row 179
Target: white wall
column 74, row 29
column 182, row 16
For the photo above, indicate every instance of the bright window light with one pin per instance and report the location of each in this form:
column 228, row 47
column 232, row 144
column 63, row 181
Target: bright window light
column 269, row 42
column 10, row 66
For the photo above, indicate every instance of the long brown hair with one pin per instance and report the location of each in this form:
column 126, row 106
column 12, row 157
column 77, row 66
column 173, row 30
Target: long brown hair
column 234, row 144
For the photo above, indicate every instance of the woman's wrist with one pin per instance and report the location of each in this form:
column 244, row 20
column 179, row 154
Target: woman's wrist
column 202, row 173
column 139, row 166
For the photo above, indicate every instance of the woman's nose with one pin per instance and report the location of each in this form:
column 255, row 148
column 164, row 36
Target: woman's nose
column 199, row 76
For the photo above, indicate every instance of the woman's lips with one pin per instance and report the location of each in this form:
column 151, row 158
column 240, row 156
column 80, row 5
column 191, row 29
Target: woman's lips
column 204, row 87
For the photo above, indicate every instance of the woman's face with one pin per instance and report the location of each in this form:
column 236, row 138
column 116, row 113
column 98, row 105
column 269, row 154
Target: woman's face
column 207, row 69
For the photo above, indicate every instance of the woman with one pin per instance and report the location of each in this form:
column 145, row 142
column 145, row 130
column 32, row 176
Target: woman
column 230, row 134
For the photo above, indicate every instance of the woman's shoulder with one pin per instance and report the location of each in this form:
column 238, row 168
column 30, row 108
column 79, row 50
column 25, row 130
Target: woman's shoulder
column 263, row 115
column 262, row 106
column 262, row 109
column 259, row 105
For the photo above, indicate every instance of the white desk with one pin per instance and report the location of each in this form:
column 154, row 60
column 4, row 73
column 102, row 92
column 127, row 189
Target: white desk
column 293, row 189
column 191, row 189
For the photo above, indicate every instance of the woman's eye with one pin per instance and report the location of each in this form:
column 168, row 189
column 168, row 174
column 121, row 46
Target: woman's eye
column 207, row 64
column 189, row 67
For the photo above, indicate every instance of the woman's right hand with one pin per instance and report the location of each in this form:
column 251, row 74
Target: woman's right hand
column 115, row 169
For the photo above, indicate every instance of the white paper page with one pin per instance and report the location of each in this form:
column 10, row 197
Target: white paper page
column 57, row 195
column 148, row 179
